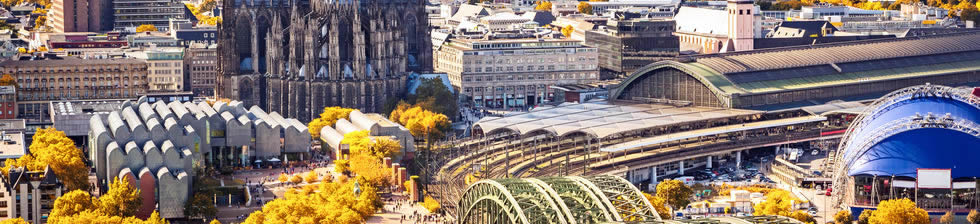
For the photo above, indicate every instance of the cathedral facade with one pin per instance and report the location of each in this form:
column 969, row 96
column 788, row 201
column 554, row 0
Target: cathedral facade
column 296, row 57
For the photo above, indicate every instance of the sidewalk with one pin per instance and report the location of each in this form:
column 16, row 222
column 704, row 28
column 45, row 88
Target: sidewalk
column 404, row 209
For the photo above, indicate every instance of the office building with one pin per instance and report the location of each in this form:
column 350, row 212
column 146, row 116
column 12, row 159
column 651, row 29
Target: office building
column 133, row 13
column 627, row 45
column 505, row 73
column 29, row 194
column 201, row 66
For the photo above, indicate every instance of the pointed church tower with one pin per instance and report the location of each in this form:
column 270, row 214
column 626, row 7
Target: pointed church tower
column 740, row 22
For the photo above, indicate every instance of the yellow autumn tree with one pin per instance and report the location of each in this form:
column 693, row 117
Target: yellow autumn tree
column 659, row 204
column 371, row 169
column 430, row 204
column 899, row 211
column 14, row 221
column 328, row 117
column 296, row 179
column 146, row 28
column 329, row 202
column 584, row 8
column 117, row 206
column 776, row 203
column 567, row 30
column 7, row 80
column 842, row 217
column 215, row 221
column 543, row 6
column 311, row 177
column 51, row 147
column 675, row 193
column 341, row 166
column 283, row 177
column 122, row 199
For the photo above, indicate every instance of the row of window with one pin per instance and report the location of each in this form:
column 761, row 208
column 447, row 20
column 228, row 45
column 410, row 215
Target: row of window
column 503, row 88
column 520, row 77
column 532, row 68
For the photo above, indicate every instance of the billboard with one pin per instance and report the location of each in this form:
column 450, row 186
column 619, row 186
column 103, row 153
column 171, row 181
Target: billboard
column 934, row 178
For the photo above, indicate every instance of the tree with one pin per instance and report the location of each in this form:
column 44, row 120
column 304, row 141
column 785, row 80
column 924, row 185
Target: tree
column 7, row 80
column 433, row 95
column 329, row 203
column 543, row 6
column 51, row 147
column 842, row 217
column 40, row 22
column 371, row 170
column 430, row 204
column 341, row 166
column 973, row 217
column 14, row 221
column 802, row 217
column 215, row 221
column 865, row 216
column 146, row 28
column 946, row 218
column 567, row 30
column 970, row 14
column 311, row 177
column 659, row 204
column 328, row 117
column 283, row 178
column 72, row 203
column 207, row 5
column 200, row 205
column 122, row 199
column 899, row 211
column 675, row 193
column 296, row 179
column 385, row 147
column 584, row 8
column 776, row 203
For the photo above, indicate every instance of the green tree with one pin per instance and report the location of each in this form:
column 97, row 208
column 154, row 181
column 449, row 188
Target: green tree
column 675, row 193
column 200, row 205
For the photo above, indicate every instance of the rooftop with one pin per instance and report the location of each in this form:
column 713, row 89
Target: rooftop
column 600, row 119
column 787, row 68
column 70, row 61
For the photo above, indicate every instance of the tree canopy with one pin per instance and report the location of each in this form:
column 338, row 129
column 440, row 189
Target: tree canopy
column 7, row 80
column 422, row 123
column 327, row 202
column 567, row 30
column 842, row 217
column 146, row 28
column 51, row 147
column 675, row 193
column 543, row 6
column 899, row 211
column 584, row 8
column 659, row 204
column 973, row 217
column 328, row 117
column 118, row 205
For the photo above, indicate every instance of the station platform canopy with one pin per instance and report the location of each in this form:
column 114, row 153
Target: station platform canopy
column 600, row 119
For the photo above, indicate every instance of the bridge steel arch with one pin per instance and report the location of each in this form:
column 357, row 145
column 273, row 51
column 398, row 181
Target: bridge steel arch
column 554, row 200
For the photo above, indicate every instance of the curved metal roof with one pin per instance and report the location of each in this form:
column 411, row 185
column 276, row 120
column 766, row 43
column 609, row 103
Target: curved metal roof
column 600, row 119
column 918, row 127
